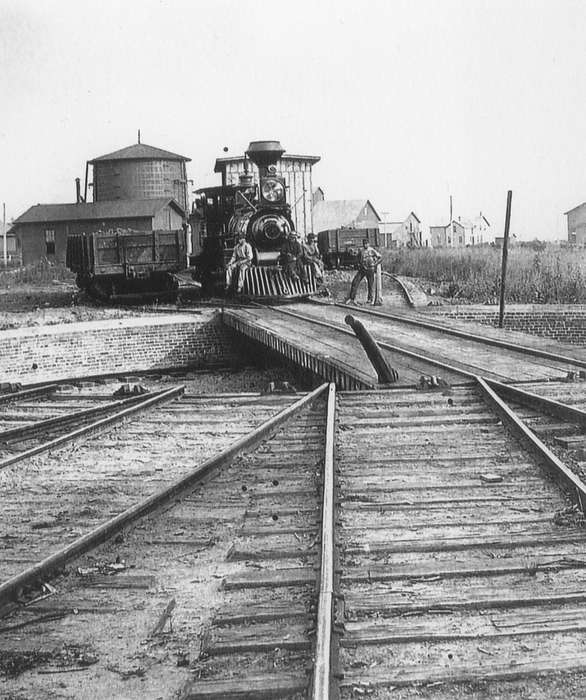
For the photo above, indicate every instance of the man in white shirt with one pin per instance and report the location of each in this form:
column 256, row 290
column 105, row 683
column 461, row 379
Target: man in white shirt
column 241, row 260
column 368, row 259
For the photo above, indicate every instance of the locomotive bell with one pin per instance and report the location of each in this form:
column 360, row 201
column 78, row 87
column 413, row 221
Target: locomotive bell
column 264, row 153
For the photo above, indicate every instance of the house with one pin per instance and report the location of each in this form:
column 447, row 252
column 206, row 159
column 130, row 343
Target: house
column 12, row 250
column 347, row 213
column 43, row 229
column 460, row 232
column 318, row 195
column 396, row 234
column 577, row 225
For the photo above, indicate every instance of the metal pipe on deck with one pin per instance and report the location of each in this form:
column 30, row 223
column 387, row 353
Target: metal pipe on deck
column 385, row 374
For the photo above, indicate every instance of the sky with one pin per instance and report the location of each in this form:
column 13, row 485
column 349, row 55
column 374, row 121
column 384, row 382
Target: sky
column 406, row 101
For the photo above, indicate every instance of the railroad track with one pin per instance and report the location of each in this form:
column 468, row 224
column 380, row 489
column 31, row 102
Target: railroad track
column 395, row 539
column 316, row 338
column 33, row 421
column 462, row 563
column 453, row 351
column 81, row 582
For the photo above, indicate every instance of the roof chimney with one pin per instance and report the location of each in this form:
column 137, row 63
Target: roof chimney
column 77, row 191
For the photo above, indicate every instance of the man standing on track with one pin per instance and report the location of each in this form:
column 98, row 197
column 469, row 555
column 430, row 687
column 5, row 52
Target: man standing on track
column 241, row 260
column 368, row 259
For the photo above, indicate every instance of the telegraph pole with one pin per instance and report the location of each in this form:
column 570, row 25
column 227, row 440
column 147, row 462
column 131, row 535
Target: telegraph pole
column 4, row 236
column 505, row 255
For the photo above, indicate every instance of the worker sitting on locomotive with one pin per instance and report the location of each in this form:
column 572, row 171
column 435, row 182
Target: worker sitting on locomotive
column 241, row 260
column 291, row 258
column 313, row 258
column 368, row 259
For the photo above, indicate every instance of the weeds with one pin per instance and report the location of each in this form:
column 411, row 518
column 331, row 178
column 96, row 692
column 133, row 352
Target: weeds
column 534, row 276
column 42, row 272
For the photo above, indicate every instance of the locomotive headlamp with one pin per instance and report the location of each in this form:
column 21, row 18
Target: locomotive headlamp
column 273, row 190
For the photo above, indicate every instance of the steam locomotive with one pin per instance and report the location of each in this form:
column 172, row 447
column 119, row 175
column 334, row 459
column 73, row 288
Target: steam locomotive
column 261, row 215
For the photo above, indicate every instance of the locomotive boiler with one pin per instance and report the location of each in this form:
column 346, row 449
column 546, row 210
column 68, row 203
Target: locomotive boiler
column 259, row 214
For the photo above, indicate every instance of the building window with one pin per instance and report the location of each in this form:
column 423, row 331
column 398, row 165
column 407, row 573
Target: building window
column 50, row 241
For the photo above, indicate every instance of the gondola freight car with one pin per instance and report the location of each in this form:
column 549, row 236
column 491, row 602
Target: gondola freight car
column 339, row 247
column 125, row 264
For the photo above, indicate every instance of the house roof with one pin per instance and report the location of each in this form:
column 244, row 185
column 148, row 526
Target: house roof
column 111, row 209
column 222, row 162
column 385, row 217
column 331, row 214
column 140, row 151
column 574, row 209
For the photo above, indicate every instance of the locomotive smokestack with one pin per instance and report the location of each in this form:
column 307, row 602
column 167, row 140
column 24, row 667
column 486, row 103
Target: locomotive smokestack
column 264, row 153
column 77, row 191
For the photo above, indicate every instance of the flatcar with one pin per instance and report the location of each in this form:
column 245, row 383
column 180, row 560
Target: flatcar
column 127, row 265
column 259, row 214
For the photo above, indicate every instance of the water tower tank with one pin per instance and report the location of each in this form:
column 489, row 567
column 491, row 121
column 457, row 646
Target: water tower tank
column 140, row 172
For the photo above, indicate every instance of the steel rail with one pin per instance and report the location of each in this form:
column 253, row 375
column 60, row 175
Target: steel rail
column 149, row 400
column 28, row 393
column 406, row 292
column 497, row 342
column 442, row 364
column 32, row 429
column 526, row 398
column 540, row 403
column 11, row 588
column 555, row 465
column 325, row 608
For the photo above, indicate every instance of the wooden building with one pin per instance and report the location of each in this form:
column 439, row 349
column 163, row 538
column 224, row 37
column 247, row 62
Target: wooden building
column 398, row 234
column 43, row 229
column 297, row 171
column 344, row 213
column 460, row 233
column 12, row 248
column 577, row 225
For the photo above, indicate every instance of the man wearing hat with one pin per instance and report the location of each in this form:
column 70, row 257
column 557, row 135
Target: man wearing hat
column 291, row 258
column 241, row 261
column 368, row 259
column 312, row 257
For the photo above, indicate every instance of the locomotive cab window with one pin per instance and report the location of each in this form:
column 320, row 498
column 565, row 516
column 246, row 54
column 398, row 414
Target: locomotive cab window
column 50, row 241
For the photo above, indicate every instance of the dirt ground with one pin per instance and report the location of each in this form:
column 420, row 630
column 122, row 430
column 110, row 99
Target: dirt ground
column 49, row 304
column 53, row 303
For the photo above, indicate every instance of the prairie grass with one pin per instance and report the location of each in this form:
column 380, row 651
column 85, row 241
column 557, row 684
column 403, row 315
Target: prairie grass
column 535, row 275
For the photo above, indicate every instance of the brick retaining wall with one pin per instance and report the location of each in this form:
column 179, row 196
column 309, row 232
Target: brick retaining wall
column 565, row 323
column 31, row 355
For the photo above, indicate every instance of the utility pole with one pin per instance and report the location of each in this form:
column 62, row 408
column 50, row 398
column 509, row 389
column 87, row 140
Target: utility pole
column 505, row 255
column 4, row 232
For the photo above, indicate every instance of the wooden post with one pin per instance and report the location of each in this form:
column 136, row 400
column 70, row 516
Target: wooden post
column 378, row 287
column 505, row 255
